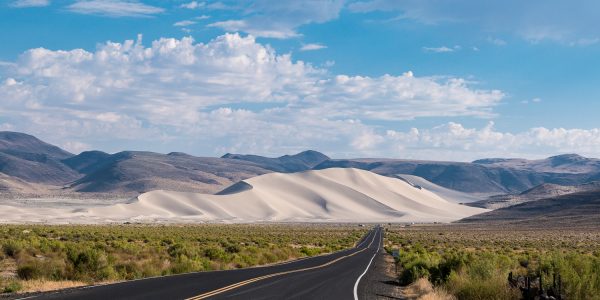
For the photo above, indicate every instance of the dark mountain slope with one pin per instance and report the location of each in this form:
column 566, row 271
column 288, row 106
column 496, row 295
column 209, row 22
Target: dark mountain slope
column 465, row 177
column 566, row 210
column 86, row 162
column 144, row 171
column 565, row 163
column 542, row 191
column 20, row 144
column 26, row 157
column 491, row 176
column 288, row 163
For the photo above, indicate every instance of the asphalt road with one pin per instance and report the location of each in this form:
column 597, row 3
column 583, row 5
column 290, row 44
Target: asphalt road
column 333, row 276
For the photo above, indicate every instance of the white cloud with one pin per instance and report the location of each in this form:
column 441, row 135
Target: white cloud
column 193, row 5
column 442, row 49
column 496, row 41
column 184, row 23
column 585, row 42
column 186, row 93
column 311, row 47
column 534, row 100
column 76, row 147
column 280, row 19
column 564, row 22
column 30, row 3
column 202, row 17
column 245, row 26
column 452, row 141
column 114, row 8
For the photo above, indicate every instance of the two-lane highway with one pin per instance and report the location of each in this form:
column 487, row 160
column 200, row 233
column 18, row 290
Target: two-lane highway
column 333, row 276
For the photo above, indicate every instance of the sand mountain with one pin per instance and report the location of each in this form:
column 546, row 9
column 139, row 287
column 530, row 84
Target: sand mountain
column 332, row 195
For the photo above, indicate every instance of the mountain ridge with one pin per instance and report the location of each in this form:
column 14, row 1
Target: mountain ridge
column 27, row 158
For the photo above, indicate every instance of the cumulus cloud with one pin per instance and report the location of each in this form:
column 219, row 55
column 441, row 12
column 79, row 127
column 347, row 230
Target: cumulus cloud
column 229, row 93
column 312, row 47
column 442, row 49
column 559, row 21
column 453, row 141
column 193, row 5
column 496, row 41
column 184, row 23
column 30, row 3
column 280, row 19
column 114, row 8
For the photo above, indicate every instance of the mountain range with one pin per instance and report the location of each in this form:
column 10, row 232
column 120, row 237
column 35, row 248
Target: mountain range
column 581, row 209
column 26, row 163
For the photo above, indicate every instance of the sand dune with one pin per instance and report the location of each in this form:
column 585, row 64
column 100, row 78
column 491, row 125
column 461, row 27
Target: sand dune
column 330, row 195
column 446, row 193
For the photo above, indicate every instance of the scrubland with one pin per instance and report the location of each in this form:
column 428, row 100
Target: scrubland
column 42, row 257
column 472, row 262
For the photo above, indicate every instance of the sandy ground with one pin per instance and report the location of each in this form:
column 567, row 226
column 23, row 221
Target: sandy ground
column 381, row 279
column 330, row 195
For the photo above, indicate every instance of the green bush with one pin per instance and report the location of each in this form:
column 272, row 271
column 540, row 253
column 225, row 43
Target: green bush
column 97, row 253
column 28, row 272
column 11, row 248
column 12, row 287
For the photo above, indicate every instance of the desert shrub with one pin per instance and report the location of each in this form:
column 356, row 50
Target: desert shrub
column 12, row 287
column 116, row 252
column 28, row 272
column 11, row 247
column 471, row 287
column 474, row 263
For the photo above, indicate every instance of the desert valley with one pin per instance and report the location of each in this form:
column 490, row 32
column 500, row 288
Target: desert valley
column 299, row 150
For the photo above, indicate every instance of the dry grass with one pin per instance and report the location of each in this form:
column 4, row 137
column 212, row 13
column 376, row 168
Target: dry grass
column 42, row 285
column 422, row 289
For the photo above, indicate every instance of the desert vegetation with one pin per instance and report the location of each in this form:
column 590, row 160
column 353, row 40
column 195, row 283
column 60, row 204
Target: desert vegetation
column 474, row 263
column 39, row 257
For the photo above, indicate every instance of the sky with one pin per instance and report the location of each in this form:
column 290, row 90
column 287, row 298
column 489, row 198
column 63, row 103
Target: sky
column 419, row 79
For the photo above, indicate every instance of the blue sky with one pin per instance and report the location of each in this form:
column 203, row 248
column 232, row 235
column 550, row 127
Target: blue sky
column 428, row 79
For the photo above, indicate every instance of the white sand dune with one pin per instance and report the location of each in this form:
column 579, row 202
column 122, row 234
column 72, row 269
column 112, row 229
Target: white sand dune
column 446, row 193
column 330, row 195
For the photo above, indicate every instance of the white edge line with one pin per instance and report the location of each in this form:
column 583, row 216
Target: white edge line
column 365, row 272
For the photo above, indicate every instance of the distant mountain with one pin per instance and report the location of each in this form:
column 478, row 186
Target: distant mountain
column 86, row 162
column 566, row 163
column 542, row 191
column 465, row 177
column 576, row 209
column 288, row 163
column 31, row 160
column 491, row 176
column 27, row 146
column 131, row 171
column 9, row 184
column 27, row 158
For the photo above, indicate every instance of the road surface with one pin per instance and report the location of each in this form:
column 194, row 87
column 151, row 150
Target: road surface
column 333, row 276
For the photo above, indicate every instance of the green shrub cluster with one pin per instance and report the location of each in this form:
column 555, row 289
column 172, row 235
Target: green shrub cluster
column 473, row 263
column 122, row 252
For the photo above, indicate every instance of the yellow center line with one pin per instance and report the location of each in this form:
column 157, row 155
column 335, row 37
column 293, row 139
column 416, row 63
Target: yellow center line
column 245, row 282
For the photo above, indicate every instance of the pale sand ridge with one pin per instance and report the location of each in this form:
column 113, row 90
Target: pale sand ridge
column 329, row 195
